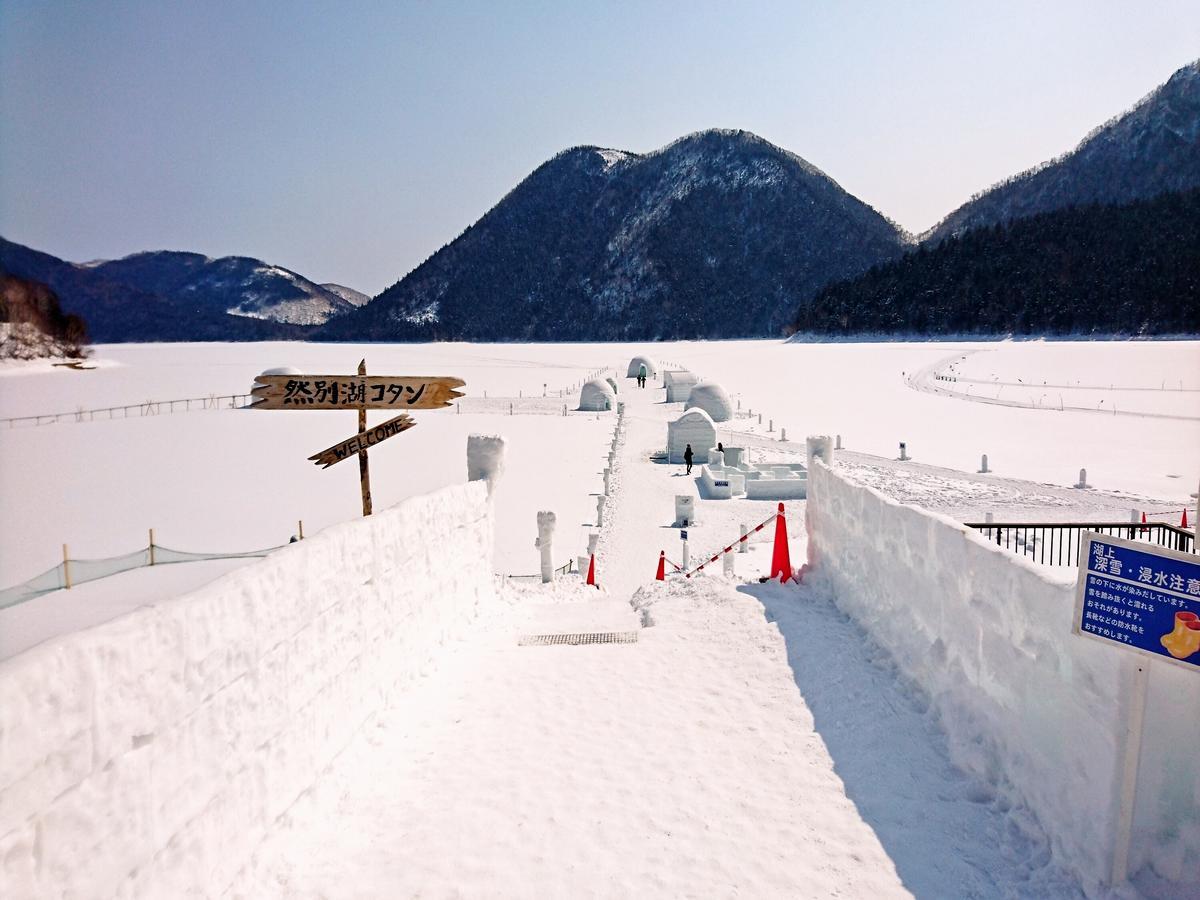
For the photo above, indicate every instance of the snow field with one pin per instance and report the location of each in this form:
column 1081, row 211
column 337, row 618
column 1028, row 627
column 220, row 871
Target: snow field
column 1029, row 707
column 147, row 756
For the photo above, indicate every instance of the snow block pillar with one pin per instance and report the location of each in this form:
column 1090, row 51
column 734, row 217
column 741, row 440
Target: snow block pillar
column 546, row 521
column 819, row 446
column 485, row 459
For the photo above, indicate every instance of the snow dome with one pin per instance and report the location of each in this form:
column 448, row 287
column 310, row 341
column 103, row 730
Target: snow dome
column 596, row 396
column 636, row 364
column 711, row 397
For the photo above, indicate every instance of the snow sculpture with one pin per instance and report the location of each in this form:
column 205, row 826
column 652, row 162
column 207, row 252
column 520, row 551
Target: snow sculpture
column 485, row 459
column 612, row 383
column 635, row 366
column 711, row 397
column 694, row 427
column 596, row 396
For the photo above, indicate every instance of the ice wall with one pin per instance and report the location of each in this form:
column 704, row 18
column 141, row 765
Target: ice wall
column 148, row 756
column 1026, row 704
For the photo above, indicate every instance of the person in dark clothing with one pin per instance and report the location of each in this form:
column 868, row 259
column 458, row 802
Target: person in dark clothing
column 687, row 458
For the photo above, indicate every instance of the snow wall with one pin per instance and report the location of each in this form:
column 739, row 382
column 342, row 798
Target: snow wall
column 1027, row 705
column 148, row 757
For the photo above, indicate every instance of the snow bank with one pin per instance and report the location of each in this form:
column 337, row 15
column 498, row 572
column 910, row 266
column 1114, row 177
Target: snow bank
column 1025, row 703
column 147, row 757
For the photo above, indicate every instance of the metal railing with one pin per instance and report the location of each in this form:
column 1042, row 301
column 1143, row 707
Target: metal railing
column 1058, row 543
column 560, row 571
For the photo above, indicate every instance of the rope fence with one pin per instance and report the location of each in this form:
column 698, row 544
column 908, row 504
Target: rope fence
column 132, row 410
column 71, row 572
column 742, row 540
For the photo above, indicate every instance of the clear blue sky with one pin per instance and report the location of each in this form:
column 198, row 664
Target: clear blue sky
column 348, row 141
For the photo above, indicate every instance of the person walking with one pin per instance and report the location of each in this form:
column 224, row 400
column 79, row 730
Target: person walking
column 642, row 373
column 687, row 458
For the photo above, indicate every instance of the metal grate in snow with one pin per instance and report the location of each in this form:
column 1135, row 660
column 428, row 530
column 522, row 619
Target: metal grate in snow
column 595, row 637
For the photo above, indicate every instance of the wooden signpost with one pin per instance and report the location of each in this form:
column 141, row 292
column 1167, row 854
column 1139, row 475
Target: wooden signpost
column 361, row 392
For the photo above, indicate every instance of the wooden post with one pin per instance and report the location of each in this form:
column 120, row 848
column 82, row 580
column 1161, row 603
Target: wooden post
column 301, row 524
column 364, row 472
column 66, row 567
column 151, row 546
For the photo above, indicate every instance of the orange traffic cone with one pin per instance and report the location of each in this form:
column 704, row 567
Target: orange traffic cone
column 591, row 579
column 662, row 566
column 781, row 560
column 1183, row 522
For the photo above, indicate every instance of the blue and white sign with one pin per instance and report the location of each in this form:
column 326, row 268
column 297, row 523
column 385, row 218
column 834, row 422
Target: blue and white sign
column 1143, row 597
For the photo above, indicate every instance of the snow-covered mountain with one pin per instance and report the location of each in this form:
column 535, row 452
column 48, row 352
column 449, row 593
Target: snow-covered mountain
column 350, row 295
column 238, row 285
column 1151, row 149
column 175, row 296
column 719, row 234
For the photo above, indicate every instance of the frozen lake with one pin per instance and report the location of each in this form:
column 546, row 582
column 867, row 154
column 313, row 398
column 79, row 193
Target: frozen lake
column 237, row 480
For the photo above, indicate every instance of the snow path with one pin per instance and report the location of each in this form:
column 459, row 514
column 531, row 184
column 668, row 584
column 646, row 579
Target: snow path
column 925, row 380
column 949, row 834
column 682, row 765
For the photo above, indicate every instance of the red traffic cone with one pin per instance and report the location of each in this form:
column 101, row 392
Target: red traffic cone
column 591, row 579
column 662, row 566
column 1144, row 522
column 1183, row 522
column 781, row 560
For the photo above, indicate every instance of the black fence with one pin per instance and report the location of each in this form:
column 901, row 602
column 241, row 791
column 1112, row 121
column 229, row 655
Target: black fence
column 1058, row 543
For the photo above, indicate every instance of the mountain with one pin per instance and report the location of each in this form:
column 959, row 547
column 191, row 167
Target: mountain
column 173, row 296
column 237, row 285
column 33, row 325
column 1152, row 149
column 719, row 234
column 1129, row 269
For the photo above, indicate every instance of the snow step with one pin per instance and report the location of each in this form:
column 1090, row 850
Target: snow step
column 595, row 637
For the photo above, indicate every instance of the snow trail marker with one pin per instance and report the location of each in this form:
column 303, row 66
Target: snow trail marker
column 354, row 392
column 360, row 393
column 361, row 441
column 781, row 560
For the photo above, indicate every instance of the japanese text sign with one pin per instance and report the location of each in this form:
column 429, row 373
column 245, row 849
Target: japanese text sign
column 353, row 392
column 1141, row 596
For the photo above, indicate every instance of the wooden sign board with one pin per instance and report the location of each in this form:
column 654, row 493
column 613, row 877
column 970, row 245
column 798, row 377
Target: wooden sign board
column 353, row 392
column 362, row 442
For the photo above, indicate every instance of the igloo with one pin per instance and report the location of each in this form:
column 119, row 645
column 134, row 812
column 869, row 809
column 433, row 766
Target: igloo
column 635, row 366
column 679, row 384
column 597, row 396
column 694, row 427
column 711, row 397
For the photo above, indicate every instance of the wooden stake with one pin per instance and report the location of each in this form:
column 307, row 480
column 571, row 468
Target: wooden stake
column 151, row 546
column 301, row 524
column 66, row 567
column 364, row 472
